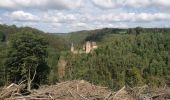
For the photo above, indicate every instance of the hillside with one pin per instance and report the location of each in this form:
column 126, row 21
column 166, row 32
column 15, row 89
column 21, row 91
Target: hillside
column 125, row 59
column 80, row 37
column 56, row 44
column 132, row 57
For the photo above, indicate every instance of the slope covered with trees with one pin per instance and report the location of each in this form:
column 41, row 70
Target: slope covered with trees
column 133, row 57
column 125, row 59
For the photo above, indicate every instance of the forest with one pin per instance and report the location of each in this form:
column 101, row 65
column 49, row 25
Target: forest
column 133, row 57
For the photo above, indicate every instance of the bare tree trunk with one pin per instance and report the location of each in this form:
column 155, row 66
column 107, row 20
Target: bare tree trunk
column 29, row 80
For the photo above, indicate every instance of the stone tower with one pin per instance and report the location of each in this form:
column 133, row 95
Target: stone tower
column 72, row 47
column 88, row 47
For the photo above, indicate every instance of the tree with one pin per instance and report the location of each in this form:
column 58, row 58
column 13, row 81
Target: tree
column 26, row 55
column 2, row 37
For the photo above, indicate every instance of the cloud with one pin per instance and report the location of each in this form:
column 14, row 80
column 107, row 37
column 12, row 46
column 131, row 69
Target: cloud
column 111, row 25
column 137, row 3
column 80, row 20
column 133, row 17
column 71, row 4
column 121, row 3
column 105, row 3
column 131, row 3
column 72, row 22
column 152, row 17
column 59, row 18
column 40, row 4
column 80, row 24
column 73, row 15
column 23, row 16
column 54, row 25
column 7, row 4
column 161, row 3
column 75, row 21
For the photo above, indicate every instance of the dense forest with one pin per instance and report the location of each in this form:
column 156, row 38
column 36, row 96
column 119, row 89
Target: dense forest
column 126, row 59
column 132, row 57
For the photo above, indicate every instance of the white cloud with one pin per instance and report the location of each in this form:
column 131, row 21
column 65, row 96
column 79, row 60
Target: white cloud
column 137, row 3
column 32, row 24
column 40, row 4
column 105, row 3
column 110, row 25
column 131, row 3
column 132, row 17
column 23, row 16
column 80, row 24
column 71, row 4
column 59, row 18
column 152, row 17
column 73, row 22
column 116, row 17
column 7, row 4
column 161, row 3
column 56, row 25
column 80, row 20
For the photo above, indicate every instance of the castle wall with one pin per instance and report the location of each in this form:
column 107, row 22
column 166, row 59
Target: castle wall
column 87, row 48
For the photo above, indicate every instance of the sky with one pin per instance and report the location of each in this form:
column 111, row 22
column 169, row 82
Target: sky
column 61, row 16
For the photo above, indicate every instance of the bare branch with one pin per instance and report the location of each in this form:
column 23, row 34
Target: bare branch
column 35, row 72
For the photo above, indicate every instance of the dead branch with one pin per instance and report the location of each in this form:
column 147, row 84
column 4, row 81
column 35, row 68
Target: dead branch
column 83, row 90
column 108, row 96
column 118, row 92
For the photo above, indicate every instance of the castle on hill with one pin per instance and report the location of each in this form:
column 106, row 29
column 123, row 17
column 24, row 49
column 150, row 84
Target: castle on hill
column 87, row 48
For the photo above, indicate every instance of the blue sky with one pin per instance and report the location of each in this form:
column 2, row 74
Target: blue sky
column 74, row 15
